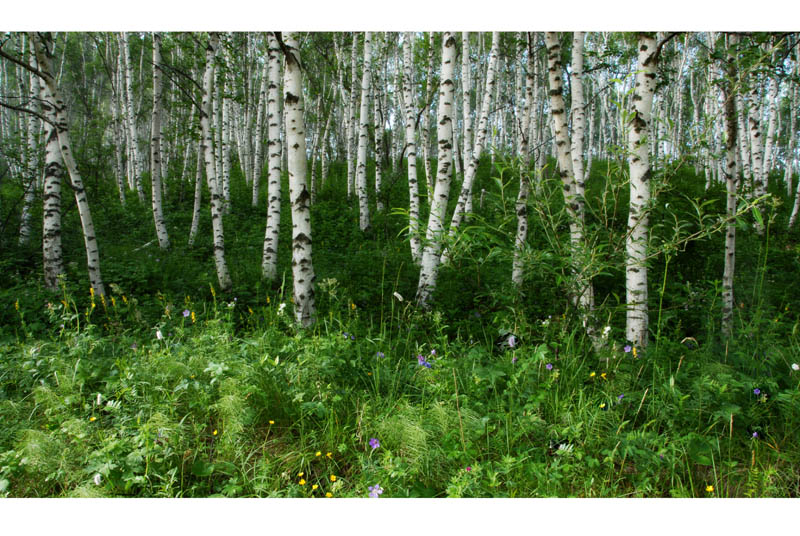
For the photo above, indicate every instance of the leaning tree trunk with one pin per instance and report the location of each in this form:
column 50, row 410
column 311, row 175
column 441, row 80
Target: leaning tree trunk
column 269, row 258
column 411, row 151
column 430, row 255
column 155, row 147
column 56, row 110
column 731, row 184
column 636, row 243
column 363, row 132
column 299, row 195
column 214, row 186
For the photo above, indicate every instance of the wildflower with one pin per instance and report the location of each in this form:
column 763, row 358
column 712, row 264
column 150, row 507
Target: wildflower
column 318, row 453
column 92, row 418
column 603, row 375
column 97, row 478
column 469, row 468
column 710, row 488
column 272, row 422
column 314, row 487
column 381, row 354
column 755, row 435
column 124, row 300
column 214, row 432
column 423, row 362
column 302, row 482
column 250, row 310
column 620, row 397
column 606, row 331
column 186, row 313
column 513, row 360
column 602, row 405
column 433, row 352
column 592, row 374
column 301, row 473
column 353, row 306
column 756, row 391
column 374, row 443
column 375, row 491
column 329, row 454
column 795, row 367
column 91, row 291
column 549, row 366
column 352, row 337
column 398, row 296
column 194, row 318
column 329, row 495
column 267, row 300
column 626, row 348
column 281, row 307
column 159, row 335
column 634, row 351
column 16, row 305
column 333, row 478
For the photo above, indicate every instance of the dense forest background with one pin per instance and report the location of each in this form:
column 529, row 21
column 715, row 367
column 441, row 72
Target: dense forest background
column 399, row 264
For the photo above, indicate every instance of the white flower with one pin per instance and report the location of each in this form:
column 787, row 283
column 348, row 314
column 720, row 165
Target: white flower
column 398, row 296
column 281, row 307
column 97, row 478
column 606, row 331
column 795, row 366
column 99, row 399
column 159, row 336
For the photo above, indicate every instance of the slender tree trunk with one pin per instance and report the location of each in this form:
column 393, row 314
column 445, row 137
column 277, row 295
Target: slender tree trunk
column 155, row 147
column 269, row 258
column 259, row 157
column 299, row 196
column 378, row 122
column 198, row 196
column 411, row 150
column 466, row 91
column 214, row 186
column 424, row 121
column 756, row 151
column 133, row 138
column 351, row 121
column 56, row 110
column 636, row 243
column 430, row 255
column 31, row 168
column 523, row 126
column 578, row 112
column 731, row 186
column 363, row 132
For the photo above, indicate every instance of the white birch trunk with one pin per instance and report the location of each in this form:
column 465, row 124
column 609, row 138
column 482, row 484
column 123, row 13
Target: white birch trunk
column 223, row 275
column 259, row 156
column 31, row 168
column 133, row 139
column 155, row 147
column 731, row 186
column 578, row 113
column 769, row 143
column 466, row 91
column 56, row 110
column 378, row 122
column 430, row 256
column 424, row 124
column 299, row 195
column 198, row 196
column 636, row 242
column 522, row 125
column 411, row 151
column 363, row 132
column 351, row 119
column 269, row 258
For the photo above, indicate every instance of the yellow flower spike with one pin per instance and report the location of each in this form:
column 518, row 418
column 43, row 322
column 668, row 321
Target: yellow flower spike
column 214, row 432
column 194, row 318
column 267, row 300
column 250, row 310
column 113, row 302
column 593, row 374
column 634, row 351
column 318, row 453
column 329, row 495
column 710, row 488
column 329, row 455
column 333, row 478
column 213, row 292
column 124, row 300
column 313, row 487
column 91, row 291
column 302, row 482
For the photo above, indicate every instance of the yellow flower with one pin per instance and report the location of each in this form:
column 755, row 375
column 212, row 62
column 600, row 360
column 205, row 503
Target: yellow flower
column 272, row 422
column 250, row 310
column 353, row 306
column 318, row 453
column 267, row 300
column 710, row 488
column 333, row 478
column 194, row 318
column 592, row 375
column 603, row 375
column 602, row 405
column 113, row 302
column 16, row 305
column 329, row 454
column 214, row 432
column 302, row 482
column 313, row 487
column 329, row 495
column 634, row 351
column 125, row 300
column 301, row 473
column 369, row 374
column 92, row 418
column 213, row 292
column 91, row 291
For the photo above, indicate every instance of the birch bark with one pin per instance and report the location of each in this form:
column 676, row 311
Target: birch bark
column 731, row 186
column 411, row 151
column 363, row 132
column 155, row 147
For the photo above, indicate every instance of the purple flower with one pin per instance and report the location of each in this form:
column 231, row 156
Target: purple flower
column 756, row 391
column 620, row 397
column 374, row 443
column 627, row 348
column 186, row 313
column 469, row 468
column 513, row 360
column 375, row 491
column 755, row 435
column 549, row 366
column 352, row 337
column 423, row 362
column 512, row 341
column 381, row 354
column 433, row 352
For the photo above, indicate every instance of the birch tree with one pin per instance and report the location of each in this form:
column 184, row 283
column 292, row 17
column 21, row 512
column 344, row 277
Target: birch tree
column 640, row 173
column 269, row 259
column 56, row 110
column 134, row 171
column 155, row 147
column 731, row 187
column 411, row 151
column 433, row 246
column 363, row 132
column 214, row 186
column 299, row 195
